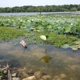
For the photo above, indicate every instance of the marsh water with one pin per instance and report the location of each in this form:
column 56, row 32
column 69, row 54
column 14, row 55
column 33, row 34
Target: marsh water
column 36, row 13
column 63, row 61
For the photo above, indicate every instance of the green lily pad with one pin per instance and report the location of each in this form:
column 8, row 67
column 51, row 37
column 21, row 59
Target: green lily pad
column 49, row 26
column 67, row 29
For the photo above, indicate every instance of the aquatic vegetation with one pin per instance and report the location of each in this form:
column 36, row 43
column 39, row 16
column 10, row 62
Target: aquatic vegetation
column 57, row 40
column 58, row 29
column 65, row 46
column 8, row 33
column 46, row 59
column 60, row 24
column 76, row 46
column 1, row 73
column 34, row 37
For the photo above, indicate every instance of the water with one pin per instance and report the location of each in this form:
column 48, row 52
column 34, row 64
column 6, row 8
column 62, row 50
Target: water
column 63, row 62
column 37, row 13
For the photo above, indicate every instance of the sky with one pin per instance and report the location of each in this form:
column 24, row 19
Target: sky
column 13, row 3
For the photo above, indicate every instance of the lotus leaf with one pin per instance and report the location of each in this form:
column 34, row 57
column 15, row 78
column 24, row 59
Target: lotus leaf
column 67, row 29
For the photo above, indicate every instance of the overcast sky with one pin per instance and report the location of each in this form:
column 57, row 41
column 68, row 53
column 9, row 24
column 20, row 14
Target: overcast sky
column 12, row 3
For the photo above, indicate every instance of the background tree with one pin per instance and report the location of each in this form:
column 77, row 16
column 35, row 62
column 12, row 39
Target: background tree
column 73, row 9
column 46, row 8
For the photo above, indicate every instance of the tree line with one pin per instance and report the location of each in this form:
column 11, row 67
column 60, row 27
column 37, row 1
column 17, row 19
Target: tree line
column 46, row 8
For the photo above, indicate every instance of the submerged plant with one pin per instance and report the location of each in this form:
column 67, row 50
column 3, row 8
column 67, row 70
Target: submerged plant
column 46, row 59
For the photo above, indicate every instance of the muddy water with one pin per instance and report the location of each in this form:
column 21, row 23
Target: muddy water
column 63, row 61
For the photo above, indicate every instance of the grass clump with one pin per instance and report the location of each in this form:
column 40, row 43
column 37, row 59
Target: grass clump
column 7, row 33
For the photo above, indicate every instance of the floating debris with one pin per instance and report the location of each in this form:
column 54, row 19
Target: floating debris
column 23, row 43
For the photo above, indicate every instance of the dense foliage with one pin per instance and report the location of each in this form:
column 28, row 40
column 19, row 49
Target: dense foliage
column 46, row 8
column 59, row 24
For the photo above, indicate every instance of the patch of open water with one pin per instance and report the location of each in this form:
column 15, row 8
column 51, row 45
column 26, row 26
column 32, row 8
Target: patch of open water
column 63, row 61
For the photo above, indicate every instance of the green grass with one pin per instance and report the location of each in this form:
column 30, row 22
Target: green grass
column 8, row 33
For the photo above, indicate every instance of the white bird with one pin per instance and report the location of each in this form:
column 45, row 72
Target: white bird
column 23, row 43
